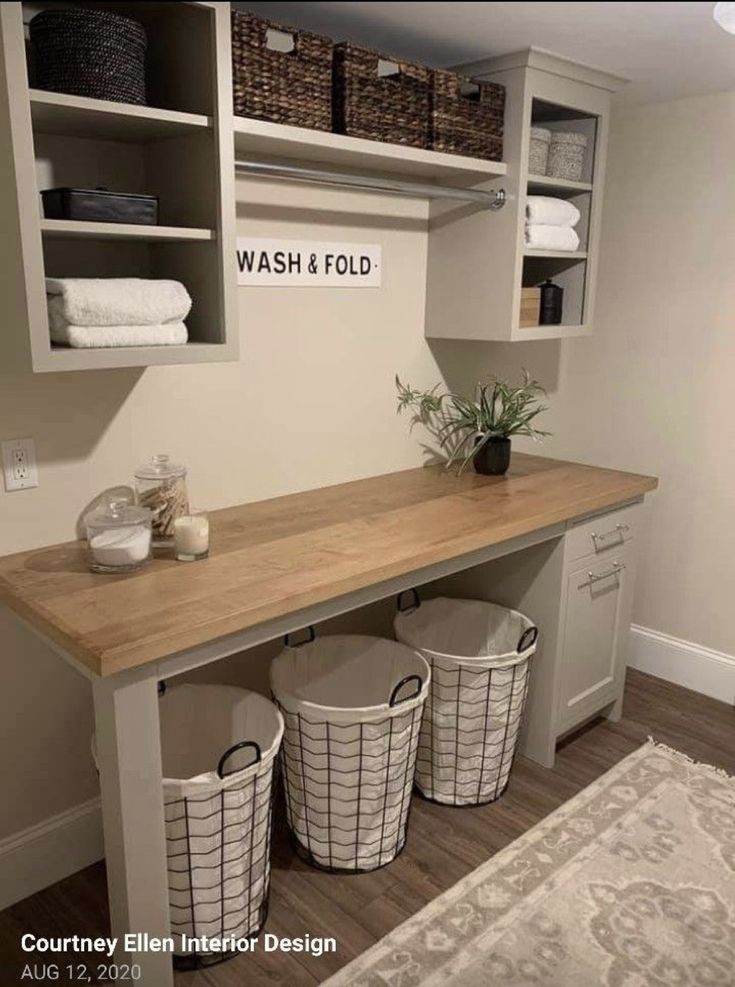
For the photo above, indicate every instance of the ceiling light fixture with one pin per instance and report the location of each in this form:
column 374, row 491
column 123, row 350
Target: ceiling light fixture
column 724, row 15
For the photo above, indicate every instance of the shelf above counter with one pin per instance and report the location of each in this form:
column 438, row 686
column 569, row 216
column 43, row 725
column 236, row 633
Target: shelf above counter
column 73, row 228
column 79, row 116
column 533, row 333
column 111, row 357
column 557, row 254
column 258, row 137
column 548, row 185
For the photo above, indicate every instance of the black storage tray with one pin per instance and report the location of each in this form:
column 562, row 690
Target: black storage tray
column 100, row 206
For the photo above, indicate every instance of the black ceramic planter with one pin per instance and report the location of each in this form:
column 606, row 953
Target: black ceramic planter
column 493, row 459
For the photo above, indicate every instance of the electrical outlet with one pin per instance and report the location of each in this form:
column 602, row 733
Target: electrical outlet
column 19, row 464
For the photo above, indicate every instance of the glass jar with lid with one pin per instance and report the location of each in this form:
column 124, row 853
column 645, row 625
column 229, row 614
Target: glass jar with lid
column 118, row 536
column 160, row 486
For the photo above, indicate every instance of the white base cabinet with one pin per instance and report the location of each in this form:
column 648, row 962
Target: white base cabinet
column 581, row 668
column 577, row 585
column 598, row 599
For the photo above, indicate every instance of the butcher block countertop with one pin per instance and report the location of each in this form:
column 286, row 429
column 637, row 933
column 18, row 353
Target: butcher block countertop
column 275, row 557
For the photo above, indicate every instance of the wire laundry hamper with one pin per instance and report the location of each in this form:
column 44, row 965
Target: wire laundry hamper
column 480, row 659
column 352, row 708
column 218, row 822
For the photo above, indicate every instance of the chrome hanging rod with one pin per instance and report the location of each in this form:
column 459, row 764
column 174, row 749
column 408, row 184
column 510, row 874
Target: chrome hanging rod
column 369, row 183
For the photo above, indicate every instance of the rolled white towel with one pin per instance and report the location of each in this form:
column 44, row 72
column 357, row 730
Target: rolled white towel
column 542, row 237
column 115, row 302
column 86, row 337
column 545, row 210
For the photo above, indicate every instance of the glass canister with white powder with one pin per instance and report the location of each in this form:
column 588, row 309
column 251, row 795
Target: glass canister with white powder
column 118, row 536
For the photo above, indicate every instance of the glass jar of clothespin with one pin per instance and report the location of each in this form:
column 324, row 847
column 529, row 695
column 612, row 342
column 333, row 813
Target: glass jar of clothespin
column 160, row 486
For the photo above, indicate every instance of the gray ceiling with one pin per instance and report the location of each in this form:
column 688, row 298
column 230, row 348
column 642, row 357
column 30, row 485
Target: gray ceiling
column 667, row 50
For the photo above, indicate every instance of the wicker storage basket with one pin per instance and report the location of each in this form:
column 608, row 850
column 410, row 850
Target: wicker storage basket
column 467, row 122
column 538, row 150
column 92, row 53
column 393, row 108
column 566, row 155
column 292, row 87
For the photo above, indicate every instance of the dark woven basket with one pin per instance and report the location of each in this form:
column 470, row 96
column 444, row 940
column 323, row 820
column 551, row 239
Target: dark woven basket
column 293, row 87
column 89, row 53
column 467, row 116
column 392, row 108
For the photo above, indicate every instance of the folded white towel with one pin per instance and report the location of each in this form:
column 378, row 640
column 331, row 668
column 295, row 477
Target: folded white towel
column 115, row 302
column 548, row 211
column 541, row 237
column 84, row 337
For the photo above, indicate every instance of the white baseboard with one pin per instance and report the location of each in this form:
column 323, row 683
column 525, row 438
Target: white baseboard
column 710, row 672
column 50, row 851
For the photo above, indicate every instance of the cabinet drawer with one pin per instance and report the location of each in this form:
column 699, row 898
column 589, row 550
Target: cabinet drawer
column 602, row 535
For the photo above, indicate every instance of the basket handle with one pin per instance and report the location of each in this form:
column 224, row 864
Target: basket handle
column 470, row 90
column 394, row 701
column 221, row 773
column 387, row 69
column 412, row 606
column 273, row 34
column 523, row 643
column 311, row 636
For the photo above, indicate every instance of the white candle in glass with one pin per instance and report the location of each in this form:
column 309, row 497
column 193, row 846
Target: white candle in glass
column 191, row 536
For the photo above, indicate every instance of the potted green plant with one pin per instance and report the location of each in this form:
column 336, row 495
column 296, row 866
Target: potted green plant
column 479, row 428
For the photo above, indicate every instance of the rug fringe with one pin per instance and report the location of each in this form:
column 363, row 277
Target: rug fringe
column 704, row 765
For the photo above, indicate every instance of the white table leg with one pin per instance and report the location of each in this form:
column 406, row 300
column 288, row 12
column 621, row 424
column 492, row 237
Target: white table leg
column 129, row 754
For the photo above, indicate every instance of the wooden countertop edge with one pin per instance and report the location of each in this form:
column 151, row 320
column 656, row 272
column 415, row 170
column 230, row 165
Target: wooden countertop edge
column 71, row 644
column 116, row 660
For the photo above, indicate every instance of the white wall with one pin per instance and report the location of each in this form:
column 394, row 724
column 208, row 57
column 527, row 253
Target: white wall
column 653, row 390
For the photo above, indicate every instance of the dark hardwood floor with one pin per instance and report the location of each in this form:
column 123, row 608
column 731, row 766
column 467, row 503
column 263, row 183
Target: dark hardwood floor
column 443, row 845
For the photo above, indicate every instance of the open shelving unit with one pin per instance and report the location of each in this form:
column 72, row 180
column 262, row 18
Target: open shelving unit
column 478, row 264
column 563, row 188
column 178, row 147
column 122, row 231
column 568, row 269
column 556, row 254
column 79, row 116
column 186, row 146
column 273, row 140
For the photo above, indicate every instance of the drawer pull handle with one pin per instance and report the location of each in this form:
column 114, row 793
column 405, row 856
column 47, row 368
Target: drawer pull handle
column 614, row 570
column 619, row 529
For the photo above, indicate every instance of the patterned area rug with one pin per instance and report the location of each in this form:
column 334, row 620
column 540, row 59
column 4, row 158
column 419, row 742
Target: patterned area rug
column 629, row 884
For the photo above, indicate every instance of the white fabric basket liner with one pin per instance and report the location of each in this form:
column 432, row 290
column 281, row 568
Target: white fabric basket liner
column 348, row 756
column 479, row 684
column 217, row 829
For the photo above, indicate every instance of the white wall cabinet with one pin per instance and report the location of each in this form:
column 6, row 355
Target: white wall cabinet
column 179, row 147
column 478, row 261
column 182, row 148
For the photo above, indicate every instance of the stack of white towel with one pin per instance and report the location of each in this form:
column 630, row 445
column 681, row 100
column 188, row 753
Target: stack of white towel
column 84, row 312
column 550, row 223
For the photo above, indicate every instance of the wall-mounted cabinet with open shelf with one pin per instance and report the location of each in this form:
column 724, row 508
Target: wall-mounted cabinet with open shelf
column 178, row 147
column 478, row 263
column 183, row 148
